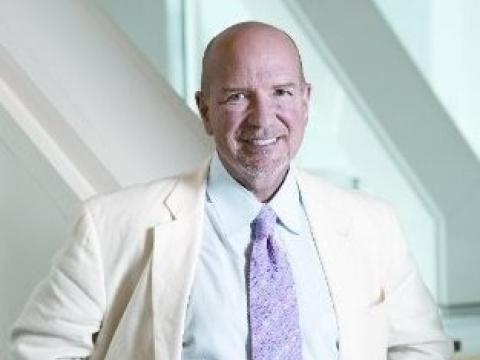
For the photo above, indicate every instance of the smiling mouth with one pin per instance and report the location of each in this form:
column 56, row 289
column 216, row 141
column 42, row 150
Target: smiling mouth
column 261, row 142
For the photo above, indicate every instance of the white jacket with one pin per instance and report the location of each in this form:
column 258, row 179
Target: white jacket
column 120, row 289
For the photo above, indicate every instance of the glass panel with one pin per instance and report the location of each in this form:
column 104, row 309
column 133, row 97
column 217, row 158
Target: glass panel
column 156, row 28
column 442, row 39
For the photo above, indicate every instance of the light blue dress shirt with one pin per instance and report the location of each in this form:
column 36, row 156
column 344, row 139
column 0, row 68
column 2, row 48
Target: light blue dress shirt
column 216, row 324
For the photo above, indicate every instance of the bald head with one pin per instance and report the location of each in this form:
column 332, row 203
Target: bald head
column 241, row 37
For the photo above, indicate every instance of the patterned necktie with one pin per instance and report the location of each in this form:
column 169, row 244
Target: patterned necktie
column 273, row 309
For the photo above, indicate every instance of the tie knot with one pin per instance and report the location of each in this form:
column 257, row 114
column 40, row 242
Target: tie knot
column 263, row 224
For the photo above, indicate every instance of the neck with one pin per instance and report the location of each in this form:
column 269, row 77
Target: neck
column 265, row 187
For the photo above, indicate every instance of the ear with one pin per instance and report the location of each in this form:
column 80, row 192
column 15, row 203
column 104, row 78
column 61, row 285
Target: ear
column 202, row 106
column 306, row 92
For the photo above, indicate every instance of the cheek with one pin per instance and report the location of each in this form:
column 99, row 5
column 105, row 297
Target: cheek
column 295, row 120
column 227, row 123
column 224, row 131
column 296, row 123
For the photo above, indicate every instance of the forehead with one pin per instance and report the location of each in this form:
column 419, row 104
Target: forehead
column 258, row 68
column 254, row 55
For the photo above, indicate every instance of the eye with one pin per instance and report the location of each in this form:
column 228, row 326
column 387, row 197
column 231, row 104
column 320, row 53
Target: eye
column 282, row 92
column 235, row 97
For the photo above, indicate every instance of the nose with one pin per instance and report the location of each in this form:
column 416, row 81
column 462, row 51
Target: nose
column 262, row 111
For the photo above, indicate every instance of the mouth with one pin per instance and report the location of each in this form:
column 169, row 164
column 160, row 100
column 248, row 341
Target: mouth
column 261, row 142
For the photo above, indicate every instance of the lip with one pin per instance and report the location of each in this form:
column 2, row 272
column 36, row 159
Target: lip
column 262, row 142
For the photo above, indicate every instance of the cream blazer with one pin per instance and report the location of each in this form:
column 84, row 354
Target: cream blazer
column 120, row 289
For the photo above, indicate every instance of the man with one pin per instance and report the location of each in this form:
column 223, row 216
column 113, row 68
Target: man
column 246, row 258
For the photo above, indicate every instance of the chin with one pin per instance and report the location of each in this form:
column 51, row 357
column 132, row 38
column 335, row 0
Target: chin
column 271, row 169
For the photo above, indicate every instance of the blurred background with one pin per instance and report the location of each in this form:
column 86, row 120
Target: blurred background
column 98, row 94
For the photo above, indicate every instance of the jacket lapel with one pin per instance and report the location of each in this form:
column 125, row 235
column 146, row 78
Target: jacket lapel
column 330, row 227
column 175, row 254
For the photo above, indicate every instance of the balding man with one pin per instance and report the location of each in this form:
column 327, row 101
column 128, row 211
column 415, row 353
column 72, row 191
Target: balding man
column 245, row 258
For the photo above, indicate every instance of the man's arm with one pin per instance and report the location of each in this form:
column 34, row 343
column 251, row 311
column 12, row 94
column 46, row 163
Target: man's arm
column 66, row 310
column 415, row 330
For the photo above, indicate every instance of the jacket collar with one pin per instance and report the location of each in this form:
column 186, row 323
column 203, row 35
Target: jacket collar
column 188, row 189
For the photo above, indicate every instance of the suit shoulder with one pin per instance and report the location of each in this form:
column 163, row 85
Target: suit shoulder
column 138, row 204
column 350, row 200
column 133, row 196
column 142, row 205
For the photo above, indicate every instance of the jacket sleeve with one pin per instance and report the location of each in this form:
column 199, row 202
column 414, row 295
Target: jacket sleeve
column 415, row 330
column 65, row 311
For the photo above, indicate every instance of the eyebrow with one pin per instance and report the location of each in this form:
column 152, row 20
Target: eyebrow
column 240, row 88
column 288, row 84
column 234, row 89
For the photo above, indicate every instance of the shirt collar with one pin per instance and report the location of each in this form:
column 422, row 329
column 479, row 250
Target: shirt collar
column 224, row 191
column 235, row 206
column 287, row 203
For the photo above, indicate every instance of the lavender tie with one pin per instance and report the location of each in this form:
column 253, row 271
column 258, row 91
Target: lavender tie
column 273, row 309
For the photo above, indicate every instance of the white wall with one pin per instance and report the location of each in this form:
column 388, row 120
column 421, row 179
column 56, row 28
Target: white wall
column 107, row 94
column 36, row 208
column 82, row 111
